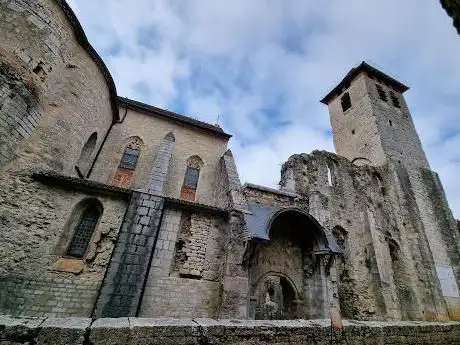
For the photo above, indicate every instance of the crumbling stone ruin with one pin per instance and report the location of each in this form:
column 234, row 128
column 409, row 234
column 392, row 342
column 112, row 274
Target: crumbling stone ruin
column 114, row 208
column 452, row 8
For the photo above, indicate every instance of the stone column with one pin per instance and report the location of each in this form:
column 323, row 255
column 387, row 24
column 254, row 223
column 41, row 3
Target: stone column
column 235, row 284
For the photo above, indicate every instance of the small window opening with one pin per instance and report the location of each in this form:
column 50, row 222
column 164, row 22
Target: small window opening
column 345, row 101
column 394, row 250
column 83, row 232
column 83, row 163
column 381, row 92
column 329, row 177
column 271, row 293
column 352, row 131
column 394, row 100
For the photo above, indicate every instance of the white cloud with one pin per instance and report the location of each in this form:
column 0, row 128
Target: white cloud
column 263, row 65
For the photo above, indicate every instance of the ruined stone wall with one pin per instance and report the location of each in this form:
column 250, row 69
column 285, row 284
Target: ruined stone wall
column 452, row 8
column 388, row 269
column 57, row 91
column 417, row 201
column 268, row 197
column 152, row 129
column 186, row 267
column 441, row 233
column 35, row 276
column 79, row 331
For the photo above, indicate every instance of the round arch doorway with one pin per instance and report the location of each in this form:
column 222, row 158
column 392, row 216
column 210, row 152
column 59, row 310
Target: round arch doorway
column 287, row 275
column 277, row 298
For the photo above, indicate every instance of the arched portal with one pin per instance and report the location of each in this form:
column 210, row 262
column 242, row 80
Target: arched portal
column 276, row 297
column 287, row 273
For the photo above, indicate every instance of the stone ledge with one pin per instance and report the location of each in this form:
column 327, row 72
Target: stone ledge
column 143, row 331
column 197, row 207
column 75, row 183
column 248, row 185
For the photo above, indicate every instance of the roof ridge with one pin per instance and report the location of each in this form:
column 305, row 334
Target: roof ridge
column 174, row 116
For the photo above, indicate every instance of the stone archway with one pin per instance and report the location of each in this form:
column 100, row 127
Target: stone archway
column 287, row 275
column 276, row 297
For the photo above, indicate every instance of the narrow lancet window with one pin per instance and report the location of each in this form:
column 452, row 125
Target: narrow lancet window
column 83, row 232
column 329, row 177
column 191, row 177
column 83, row 163
column 125, row 171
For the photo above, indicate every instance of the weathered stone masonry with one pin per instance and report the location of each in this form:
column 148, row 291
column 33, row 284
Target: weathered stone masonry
column 366, row 234
column 122, row 331
column 35, row 279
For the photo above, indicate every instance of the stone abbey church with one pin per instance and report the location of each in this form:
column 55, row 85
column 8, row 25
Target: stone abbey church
column 110, row 207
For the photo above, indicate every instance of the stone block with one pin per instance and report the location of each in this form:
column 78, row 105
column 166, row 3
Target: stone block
column 20, row 329
column 147, row 331
column 69, row 265
column 110, row 331
column 63, row 331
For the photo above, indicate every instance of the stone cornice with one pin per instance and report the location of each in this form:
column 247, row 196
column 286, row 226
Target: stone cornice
column 196, row 207
column 76, row 183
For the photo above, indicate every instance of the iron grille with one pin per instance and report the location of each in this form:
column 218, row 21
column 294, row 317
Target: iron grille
column 83, row 232
column 129, row 159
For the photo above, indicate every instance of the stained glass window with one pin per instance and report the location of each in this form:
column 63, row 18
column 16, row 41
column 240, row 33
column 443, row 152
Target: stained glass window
column 191, row 177
column 129, row 159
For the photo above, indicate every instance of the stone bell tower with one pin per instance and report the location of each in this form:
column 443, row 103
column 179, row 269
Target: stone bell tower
column 370, row 120
column 372, row 125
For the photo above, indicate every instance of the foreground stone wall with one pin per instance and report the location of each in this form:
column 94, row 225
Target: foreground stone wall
column 76, row 331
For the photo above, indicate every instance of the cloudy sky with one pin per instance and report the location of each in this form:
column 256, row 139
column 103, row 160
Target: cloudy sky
column 260, row 67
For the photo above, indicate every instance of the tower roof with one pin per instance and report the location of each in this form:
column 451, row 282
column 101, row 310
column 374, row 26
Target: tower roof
column 369, row 70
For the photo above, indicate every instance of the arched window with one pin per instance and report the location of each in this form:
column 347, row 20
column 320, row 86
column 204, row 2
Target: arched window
column 84, row 230
column 192, row 174
column 125, row 171
column 85, row 155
